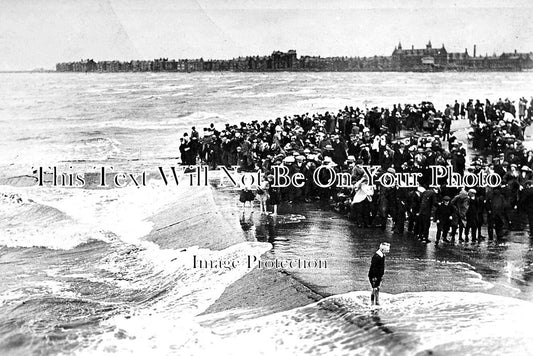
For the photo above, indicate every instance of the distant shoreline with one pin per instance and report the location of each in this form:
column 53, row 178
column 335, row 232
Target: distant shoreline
column 268, row 72
column 29, row 71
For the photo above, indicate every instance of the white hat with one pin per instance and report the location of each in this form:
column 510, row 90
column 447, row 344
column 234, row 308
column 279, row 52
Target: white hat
column 289, row 159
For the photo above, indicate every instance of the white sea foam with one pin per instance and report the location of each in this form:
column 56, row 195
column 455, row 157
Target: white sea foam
column 63, row 218
column 260, row 95
column 406, row 324
column 444, row 322
column 11, row 295
column 183, row 122
column 30, row 224
column 168, row 323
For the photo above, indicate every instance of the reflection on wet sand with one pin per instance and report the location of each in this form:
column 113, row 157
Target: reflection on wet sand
column 308, row 230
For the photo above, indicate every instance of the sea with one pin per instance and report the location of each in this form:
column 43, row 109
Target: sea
column 80, row 277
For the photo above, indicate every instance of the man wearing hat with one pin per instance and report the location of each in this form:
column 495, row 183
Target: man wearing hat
column 525, row 175
column 496, row 212
column 526, row 204
column 327, row 150
column 427, row 201
column 472, row 215
column 443, row 218
column 460, row 205
column 511, row 180
column 324, row 176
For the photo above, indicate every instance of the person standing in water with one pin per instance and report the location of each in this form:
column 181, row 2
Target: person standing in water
column 377, row 269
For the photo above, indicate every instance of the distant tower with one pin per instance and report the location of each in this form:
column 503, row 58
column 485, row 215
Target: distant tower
column 400, row 45
column 474, row 50
column 428, row 46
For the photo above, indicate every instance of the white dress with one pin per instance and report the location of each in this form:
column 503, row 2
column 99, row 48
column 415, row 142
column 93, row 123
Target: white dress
column 263, row 187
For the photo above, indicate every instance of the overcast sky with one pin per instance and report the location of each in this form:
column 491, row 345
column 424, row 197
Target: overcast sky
column 39, row 33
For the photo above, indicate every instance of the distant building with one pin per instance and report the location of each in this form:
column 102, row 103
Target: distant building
column 414, row 59
column 419, row 59
column 85, row 65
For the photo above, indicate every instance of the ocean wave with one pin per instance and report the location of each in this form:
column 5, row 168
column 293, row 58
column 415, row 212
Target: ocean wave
column 325, row 104
column 452, row 275
column 188, row 292
column 244, row 94
column 29, row 224
column 200, row 117
column 62, row 218
column 239, row 87
column 98, row 148
column 32, row 138
column 197, row 118
column 406, row 324
column 179, row 94
column 98, row 140
column 91, row 294
column 57, row 320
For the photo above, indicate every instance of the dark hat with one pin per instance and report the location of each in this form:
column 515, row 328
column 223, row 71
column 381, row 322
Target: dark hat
column 446, row 198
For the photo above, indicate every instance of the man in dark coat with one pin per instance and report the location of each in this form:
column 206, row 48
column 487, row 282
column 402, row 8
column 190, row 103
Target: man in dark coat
column 413, row 225
column 472, row 215
column 496, row 205
column 443, row 218
column 399, row 211
column 427, row 201
column 456, row 110
column 460, row 205
column 526, row 204
column 377, row 270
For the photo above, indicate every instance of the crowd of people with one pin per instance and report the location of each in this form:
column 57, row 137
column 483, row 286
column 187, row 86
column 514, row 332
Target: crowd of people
column 404, row 139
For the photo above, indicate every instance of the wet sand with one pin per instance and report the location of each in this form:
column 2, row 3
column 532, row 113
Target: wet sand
column 262, row 292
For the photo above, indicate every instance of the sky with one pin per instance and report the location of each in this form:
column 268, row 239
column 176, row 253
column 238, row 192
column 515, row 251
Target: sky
column 40, row 33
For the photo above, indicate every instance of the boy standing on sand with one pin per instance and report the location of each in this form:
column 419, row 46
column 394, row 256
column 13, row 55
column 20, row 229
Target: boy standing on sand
column 377, row 269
